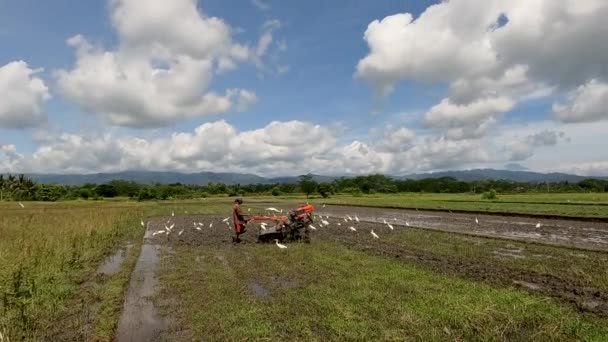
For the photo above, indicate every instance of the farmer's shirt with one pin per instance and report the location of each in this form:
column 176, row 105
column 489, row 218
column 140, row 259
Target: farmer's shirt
column 237, row 217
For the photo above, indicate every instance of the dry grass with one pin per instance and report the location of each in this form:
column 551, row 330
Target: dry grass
column 47, row 251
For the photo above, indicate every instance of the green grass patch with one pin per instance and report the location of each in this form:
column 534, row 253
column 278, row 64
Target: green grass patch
column 47, row 252
column 325, row 291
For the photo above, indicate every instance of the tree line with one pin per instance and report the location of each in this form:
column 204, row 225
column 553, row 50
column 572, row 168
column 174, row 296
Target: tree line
column 22, row 188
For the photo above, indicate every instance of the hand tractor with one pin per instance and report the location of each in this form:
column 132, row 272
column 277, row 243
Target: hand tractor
column 293, row 226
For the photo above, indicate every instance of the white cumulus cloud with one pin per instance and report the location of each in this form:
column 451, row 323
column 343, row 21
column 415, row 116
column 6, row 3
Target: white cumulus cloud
column 492, row 55
column 162, row 69
column 22, row 96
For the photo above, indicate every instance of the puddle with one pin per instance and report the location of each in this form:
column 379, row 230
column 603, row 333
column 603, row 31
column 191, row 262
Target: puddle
column 510, row 253
column 111, row 264
column 523, row 235
column 140, row 321
column 526, row 284
column 542, row 256
column 596, row 240
column 591, row 304
column 284, row 283
column 258, row 290
column 579, row 255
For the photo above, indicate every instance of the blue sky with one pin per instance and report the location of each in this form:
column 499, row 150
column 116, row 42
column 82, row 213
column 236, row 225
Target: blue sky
column 391, row 102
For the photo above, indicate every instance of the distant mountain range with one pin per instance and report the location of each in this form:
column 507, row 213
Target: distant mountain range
column 515, row 176
column 202, row 178
column 151, row 177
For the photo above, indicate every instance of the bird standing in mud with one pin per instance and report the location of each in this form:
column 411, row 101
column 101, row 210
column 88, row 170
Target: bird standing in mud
column 276, row 241
column 374, row 235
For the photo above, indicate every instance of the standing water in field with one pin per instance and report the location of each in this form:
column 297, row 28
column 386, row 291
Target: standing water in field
column 112, row 263
column 140, row 321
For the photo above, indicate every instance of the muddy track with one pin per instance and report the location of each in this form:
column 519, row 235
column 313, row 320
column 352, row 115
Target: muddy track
column 140, row 321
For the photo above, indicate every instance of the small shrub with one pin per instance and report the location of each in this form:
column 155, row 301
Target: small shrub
column 276, row 191
column 85, row 193
column 489, row 195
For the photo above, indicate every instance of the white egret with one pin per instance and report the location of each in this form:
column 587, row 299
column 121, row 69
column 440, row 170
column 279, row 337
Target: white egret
column 391, row 226
column 356, row 218
column 210, row 224
column 172, row 213
column 142, row 223
column 374, row 235
column 312, row 227
column 352, row 229
column 273, row 209
column 339, row 224
column 538, row 225
column 325, row 223
column 226, row 219
column 279, row 245
column 180, row 232
column 476, row 220
column 407, row 223
column 21, row 205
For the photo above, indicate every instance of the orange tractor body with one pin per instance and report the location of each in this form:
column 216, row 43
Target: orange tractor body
column 293, row 226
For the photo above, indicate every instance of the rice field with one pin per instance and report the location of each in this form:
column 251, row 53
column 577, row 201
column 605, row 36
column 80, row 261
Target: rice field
column 68, row 271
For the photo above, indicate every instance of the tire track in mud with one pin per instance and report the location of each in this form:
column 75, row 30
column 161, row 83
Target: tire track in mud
column 140, row 320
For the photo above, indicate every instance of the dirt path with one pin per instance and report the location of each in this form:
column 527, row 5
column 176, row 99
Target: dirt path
column 140, row 320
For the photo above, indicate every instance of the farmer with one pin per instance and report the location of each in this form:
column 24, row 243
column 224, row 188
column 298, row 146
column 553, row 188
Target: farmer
column 238, row 219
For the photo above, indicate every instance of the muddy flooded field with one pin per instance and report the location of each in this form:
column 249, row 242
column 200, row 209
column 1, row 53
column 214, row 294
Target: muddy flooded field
column 569, row 233
column 198, row 231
